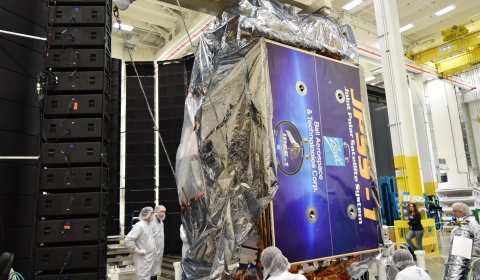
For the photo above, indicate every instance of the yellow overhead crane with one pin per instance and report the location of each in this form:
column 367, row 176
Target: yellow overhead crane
column 460, row 51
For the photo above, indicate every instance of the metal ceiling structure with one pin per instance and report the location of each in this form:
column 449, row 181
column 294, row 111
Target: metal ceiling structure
column 156, row 26
column 159, row 32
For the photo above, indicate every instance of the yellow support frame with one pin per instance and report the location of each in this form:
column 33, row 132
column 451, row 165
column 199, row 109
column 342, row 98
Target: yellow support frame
column 459, row 63
column 447, row 49
column 429, row 242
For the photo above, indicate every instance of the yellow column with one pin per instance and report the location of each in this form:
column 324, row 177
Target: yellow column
column 430, row 188
column 410, row 179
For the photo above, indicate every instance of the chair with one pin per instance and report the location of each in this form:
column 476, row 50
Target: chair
column 6, row 261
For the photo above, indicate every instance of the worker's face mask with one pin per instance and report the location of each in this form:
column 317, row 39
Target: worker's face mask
column 161, row 216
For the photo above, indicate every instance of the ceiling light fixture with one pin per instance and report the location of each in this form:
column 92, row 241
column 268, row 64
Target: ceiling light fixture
column 352, row 4
column 406, row 27
column 445, row 10
column 368, row 79
column 124, row 26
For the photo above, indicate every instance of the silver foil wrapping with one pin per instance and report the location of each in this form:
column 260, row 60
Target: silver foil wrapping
column 357, row 269
column 234, row 30
column 226, row 169
column 233, row 165
column 457, row 267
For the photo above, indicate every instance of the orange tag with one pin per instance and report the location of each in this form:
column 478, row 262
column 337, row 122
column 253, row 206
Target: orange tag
column 66, row 227
column 75, row 106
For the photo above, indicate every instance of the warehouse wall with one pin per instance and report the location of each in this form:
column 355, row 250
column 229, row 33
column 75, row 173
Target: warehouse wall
column 474, row 111
column 472, row 103
column 448, row 133
column 472, row 157
column 21, row 59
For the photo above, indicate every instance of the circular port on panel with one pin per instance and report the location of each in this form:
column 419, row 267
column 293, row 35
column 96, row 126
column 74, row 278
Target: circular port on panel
column 352, row 211
column 340, row 96
column 301, row 88
column 312, row 214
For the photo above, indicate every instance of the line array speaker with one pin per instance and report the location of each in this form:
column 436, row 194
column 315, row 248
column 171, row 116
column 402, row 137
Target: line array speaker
column 79, row 179
column 72, row 203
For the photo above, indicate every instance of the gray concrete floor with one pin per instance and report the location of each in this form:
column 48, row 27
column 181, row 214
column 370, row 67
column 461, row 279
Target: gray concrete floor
column 435, row 265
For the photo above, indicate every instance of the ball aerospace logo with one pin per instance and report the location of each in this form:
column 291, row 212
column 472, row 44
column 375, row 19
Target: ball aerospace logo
column 289, row 148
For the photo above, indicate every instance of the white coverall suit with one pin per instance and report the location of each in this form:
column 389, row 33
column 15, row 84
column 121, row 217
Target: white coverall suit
column 141, row 237
column 474, row 228
column 185, row 246
column 412, row 273
column 159, row 236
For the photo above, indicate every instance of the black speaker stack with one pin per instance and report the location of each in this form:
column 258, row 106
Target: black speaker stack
column 113, row 220
column 173, row 81
column 72, row 205
column 140, row 140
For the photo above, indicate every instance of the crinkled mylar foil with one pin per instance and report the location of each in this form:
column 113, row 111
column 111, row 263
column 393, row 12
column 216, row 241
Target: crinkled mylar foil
column 235, row 28
column 457, row 267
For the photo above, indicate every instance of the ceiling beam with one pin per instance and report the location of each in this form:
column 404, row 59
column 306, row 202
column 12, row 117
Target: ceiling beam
column 173, row 10
column 203, row 6
column 141, row 25
column 147, row 16
column 153, row 7
column 315, row 7
column 295, row 4
column 161, row 32
column 181, row 39
column 119, row 37
column 163, row 4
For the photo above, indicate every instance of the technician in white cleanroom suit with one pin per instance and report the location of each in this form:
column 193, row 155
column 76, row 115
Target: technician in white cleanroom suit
column 140, row 240
column 463, row 213
column 159, row 236
column 275, row 266
column 407, row 270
